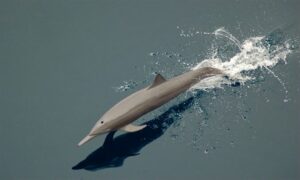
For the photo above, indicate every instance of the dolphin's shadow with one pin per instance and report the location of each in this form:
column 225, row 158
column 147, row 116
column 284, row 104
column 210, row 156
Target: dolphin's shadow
column 114, row 151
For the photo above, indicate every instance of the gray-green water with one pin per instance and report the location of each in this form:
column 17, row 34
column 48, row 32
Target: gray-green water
column 61, row 61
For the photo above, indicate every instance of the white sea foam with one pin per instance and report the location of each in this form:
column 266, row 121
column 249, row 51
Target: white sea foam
column 253, row 55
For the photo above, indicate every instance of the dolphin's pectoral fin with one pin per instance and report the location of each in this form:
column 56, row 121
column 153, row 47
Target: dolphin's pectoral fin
column 132, row 128
column 158, row 80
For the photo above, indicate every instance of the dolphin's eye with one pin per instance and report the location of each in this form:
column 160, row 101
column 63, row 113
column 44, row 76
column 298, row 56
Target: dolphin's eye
column 102, row 122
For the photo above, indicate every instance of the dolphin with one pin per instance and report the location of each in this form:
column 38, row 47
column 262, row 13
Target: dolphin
column 121, row 115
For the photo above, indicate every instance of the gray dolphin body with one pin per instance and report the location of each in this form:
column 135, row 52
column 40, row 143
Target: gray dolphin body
column 121, row 115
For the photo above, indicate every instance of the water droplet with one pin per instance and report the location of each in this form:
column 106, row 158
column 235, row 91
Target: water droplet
column 206, row 151
column 285, row 100
column 152, row 54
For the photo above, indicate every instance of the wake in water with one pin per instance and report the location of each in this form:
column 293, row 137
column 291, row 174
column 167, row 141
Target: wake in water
column 255, row 53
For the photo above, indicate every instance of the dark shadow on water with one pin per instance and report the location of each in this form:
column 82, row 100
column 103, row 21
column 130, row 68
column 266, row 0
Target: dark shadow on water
column 114, row 151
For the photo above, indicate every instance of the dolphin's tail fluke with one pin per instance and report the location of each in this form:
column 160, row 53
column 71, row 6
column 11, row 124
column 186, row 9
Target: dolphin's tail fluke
column 86, row 139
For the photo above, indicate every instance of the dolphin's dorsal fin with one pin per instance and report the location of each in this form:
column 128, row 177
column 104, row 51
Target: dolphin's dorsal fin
column 109, row 138
column 132, row 128
column 157, row 80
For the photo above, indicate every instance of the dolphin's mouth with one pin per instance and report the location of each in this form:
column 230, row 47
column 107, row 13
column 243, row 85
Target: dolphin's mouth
column 98, row 133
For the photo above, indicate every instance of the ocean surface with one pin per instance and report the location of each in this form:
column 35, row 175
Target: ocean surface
column 65, row 63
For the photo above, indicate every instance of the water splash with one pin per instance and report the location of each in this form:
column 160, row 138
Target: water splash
column 221, row 32
column 281, row 82
column 243, row 61
column 127, row 85
column 256, row 53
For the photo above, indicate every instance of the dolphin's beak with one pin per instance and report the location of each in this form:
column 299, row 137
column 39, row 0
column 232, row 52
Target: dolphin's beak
column 86, row 139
